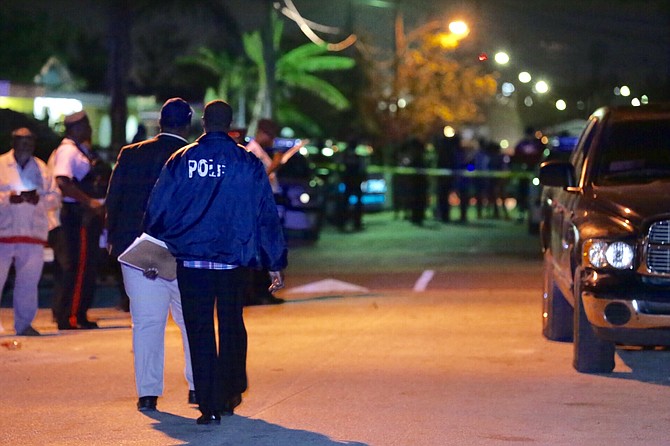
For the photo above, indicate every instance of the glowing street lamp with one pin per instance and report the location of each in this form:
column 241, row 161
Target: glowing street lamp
column 541, row 87
column 459, row 29
column 501, row 58
column 525, row 77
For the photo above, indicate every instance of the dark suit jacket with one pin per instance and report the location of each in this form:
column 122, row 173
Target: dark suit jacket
column 135, row 173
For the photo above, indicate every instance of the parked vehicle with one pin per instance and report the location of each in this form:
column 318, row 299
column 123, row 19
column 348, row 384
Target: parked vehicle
column 606, row 237
column 302, row 201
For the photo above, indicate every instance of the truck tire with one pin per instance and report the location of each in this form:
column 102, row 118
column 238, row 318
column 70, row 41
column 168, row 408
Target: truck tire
column 557, row 314
column 591, row 354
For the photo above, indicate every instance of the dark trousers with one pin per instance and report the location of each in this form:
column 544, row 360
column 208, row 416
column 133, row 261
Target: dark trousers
column 217, row 375
column 444, row 186
column 256, row 289
column 76, row 251
column 351, row 212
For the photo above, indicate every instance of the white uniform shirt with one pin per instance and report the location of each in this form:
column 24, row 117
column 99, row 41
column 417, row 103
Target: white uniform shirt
column 70, row 162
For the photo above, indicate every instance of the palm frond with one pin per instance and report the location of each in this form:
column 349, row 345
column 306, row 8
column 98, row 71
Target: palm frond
column 319, row 87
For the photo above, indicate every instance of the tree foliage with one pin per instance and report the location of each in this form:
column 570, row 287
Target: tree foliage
column 296, row 69
column 431, row 87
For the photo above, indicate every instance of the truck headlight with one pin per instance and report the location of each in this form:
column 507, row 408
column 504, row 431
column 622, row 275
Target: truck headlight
column 603, row 254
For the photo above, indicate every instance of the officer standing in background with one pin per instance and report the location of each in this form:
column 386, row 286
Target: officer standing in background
column 82, row 179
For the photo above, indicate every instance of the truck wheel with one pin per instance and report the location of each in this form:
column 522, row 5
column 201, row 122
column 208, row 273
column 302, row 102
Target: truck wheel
column 557, row 313
column 591, row 354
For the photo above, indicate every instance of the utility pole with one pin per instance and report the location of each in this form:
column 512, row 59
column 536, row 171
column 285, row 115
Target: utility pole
column 270, row 57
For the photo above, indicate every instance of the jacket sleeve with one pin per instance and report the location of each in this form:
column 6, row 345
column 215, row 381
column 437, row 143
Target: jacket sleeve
column 114, row 198
column 158, row 216
column 272, row 246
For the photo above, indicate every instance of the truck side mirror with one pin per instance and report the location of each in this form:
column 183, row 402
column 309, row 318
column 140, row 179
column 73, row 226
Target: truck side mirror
column 557, row 174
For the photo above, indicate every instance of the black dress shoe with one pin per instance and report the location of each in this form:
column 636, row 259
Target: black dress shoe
column 209, row 418
column 230, row 405
column 147, row 403
column 191, row 397
column 87, row 325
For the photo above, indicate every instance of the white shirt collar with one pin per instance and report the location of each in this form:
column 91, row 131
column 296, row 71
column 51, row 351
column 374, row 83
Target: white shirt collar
column 173, row 135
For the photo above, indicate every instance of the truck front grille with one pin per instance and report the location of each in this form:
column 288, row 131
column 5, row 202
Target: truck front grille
column 658, row 248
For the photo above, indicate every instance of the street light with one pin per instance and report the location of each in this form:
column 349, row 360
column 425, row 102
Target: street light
column 525, row 77
column 501, row 58
column 541, row 87
column 458, row 30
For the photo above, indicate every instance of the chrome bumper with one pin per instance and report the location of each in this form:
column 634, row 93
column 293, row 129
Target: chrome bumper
column 596, row 313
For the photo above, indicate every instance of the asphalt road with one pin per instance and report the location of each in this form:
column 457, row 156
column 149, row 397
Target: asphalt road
column 370, row 349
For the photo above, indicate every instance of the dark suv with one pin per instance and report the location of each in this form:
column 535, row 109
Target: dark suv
column 605, row 234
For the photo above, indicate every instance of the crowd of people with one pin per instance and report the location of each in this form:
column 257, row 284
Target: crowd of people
column 208, row 204
column 453, row 156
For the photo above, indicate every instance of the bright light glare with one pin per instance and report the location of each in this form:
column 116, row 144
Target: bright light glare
column 459, row 28
column 327, row 151
column 304, row 198
column 635, row 102
column 507, row 88
column 501, row 58
column 449, row 131
column 561, row 105
column 56, row 108
column 541, row 87
column 625, row 91
column 525, row 77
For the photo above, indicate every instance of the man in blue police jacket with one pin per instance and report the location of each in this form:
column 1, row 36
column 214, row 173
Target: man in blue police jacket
column 213, row 207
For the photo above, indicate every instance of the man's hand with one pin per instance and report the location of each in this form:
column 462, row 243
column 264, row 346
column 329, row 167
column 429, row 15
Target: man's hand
column 16, row 199
column 277, row 281
column 151, row 273
column 30, row 196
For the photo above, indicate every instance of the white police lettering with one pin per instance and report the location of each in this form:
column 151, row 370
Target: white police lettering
column 205, row 168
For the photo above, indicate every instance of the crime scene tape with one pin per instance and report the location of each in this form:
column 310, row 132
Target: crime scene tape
column 440, row 172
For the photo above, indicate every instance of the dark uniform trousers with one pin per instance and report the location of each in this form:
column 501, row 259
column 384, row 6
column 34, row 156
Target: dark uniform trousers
column 76, row 251
column 218, row 376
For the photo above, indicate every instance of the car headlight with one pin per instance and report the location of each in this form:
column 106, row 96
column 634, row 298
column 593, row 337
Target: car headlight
column 603, row 254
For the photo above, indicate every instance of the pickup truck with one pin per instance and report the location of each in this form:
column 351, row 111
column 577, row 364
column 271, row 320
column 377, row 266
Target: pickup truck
column 605, row 234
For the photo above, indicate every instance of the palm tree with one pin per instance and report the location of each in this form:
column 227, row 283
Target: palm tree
column 295, row 69
column 232, row 72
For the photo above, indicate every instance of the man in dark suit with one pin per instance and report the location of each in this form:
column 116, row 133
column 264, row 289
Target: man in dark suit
column 137, row 169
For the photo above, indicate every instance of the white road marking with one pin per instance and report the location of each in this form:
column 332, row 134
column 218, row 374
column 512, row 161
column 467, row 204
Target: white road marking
column 328, row 286
column 424, row 279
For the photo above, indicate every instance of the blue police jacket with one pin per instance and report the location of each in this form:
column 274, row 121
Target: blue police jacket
column 213, row 202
